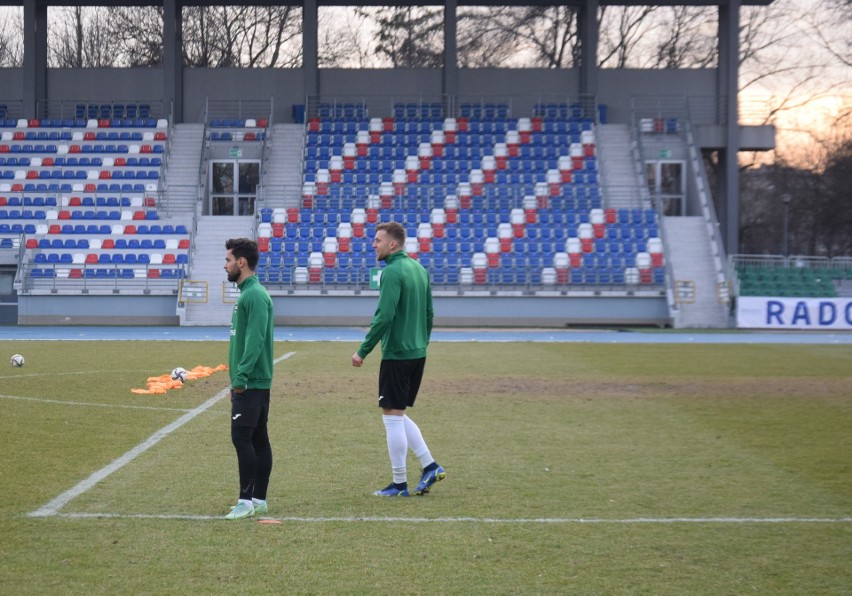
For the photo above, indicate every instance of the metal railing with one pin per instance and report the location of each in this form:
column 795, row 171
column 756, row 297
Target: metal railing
column 240, row 109
column 438, row 106
column 642, row 112
column 66, row 109
column 11, row 109
column 118, row 281
column 837, row 270
column 704, row 109
column 708, row 211
column 526, row 280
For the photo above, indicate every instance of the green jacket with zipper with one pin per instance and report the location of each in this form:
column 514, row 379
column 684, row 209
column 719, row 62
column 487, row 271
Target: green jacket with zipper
column 251, row 345
column 403, row 317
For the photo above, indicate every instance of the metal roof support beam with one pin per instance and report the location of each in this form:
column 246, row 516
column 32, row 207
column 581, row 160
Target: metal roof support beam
column 35, row 56
column 310, row 47
column 451, row 61
column 588, row 31
column 728, row 203
column 173, row 57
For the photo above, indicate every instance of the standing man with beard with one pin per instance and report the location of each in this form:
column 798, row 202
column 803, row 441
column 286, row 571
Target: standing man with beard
column 250, row 365
column 403, row 323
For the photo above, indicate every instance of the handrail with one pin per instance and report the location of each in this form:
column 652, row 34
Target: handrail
column 264, row 162
column 114, row 284
column 382, row 105
column 19, row 259
column 239, row 108
column 67, row 108
column 709, row 213
column 639, row 160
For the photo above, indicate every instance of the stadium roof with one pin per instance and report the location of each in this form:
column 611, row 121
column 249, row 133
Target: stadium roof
column 576, row 3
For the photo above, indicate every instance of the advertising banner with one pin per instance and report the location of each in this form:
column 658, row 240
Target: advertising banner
column 814, row 314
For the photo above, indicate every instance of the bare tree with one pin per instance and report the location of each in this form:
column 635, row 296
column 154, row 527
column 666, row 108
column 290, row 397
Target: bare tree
column 546, row 34
column 485, row 37
column 831, row 21
column 139, row 31
column 11, row 42
column 268, row 36
column 621, row 31
column 197, row 45
column 820, row 212
column 242, row 36
column 781, row 64
column 343, row 38
column 81, row 37
column 410, row 37
column 687, row 38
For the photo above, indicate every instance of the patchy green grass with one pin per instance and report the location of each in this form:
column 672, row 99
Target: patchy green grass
column 555, row 454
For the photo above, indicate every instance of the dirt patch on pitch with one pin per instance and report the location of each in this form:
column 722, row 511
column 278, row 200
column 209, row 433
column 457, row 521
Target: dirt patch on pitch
column 841, row 389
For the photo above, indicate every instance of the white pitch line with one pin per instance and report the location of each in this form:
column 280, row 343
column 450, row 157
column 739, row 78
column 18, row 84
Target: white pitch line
column 53, row 507
column 76, row 373
column 90, row 404
column 484, row 520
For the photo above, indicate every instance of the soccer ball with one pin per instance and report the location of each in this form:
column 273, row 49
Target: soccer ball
column 179, row 374
column 17, row 360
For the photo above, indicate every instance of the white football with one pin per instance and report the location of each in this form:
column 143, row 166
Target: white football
column 16, row 360
column 179, row 374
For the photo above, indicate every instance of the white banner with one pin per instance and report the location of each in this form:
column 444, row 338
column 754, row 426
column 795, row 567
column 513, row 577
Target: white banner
column 814, row 314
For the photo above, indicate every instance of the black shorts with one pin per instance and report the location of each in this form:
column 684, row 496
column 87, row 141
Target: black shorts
column 399, row 382
column 250, row 408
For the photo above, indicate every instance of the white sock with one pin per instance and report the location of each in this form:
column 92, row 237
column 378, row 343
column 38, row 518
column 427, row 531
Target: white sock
column 257, row 502
column 416, row 442
column 246, row 501
column 397, row 446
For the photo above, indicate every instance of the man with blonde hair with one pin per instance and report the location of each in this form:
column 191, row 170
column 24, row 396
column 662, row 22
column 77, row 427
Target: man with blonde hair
column 403, row 323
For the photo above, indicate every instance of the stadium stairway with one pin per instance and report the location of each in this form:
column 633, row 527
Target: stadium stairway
column 688, row 250
column 182, row 185
column 282, row 174
column 622, row 187
column 207, row 266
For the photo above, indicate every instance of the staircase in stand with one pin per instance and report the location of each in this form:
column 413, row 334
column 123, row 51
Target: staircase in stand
column 182, row 167
column 208, row 262
column 620, row 181
column 688, row 251
column 282, row 178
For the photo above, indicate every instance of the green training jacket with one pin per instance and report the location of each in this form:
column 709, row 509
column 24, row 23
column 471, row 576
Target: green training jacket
column 250, row 350
column 403, row 318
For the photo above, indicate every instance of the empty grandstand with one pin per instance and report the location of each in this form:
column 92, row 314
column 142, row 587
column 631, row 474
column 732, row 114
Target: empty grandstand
column 532, row 197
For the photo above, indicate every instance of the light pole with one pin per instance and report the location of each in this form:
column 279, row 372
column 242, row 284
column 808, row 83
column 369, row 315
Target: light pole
column 786, row 198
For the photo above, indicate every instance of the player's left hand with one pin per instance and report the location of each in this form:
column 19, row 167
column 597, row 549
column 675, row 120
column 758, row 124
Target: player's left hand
column 357, row 361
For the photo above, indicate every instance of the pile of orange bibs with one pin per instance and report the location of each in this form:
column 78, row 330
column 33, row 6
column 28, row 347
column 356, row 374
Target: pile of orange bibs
column 164, row 382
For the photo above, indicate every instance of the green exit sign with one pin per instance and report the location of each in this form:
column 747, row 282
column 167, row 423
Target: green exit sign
column 236, row 152
column 665, row 153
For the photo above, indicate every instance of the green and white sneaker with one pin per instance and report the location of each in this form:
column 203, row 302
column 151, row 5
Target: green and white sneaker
column 241, row 510
column 261, row 509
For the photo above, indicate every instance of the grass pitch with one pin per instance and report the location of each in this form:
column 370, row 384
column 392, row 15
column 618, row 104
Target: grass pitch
column 572, row 468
